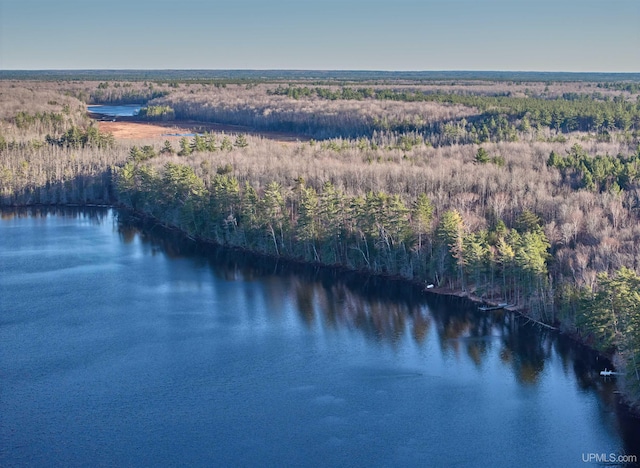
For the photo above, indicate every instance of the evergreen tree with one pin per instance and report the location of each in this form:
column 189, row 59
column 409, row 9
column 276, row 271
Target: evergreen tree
column 198, row 144
column 331, row 212
column 185, row 147
column 249, row 212
column 226, row 145
column 482, row 157
column 210, row 142
column 273, row 215
column 308, row 222
column 528, row 221
column 241, row 141
column 450, row 235
column 167, row 148
column 476, row 251
column 422, row 217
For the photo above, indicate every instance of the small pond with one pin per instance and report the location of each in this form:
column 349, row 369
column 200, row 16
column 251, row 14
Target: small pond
column 127, row 110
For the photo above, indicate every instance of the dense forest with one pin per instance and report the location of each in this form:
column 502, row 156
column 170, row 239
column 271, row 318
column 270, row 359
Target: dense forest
column 439, row 114
column 526, row 193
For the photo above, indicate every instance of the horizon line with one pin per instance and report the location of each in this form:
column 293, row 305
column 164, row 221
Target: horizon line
column 380, row 70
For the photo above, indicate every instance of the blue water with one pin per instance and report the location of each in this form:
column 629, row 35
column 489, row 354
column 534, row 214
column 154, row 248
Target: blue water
column 122, row 349
column 128, row 110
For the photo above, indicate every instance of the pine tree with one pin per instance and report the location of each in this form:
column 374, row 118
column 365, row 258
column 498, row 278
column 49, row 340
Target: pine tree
column 307, row 225
column 450, row 235
column 241, row 141
column 331, row 221
column 422, row 217
column 226, row 145
column 198, row 144
column 482, row 157
column 167, row 148
column 249, row 212
column 185, row 147
column 210, row 142
column 273, row 214
column 475, row 255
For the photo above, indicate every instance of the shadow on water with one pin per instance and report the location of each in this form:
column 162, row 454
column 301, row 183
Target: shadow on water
column 384, row 310
column 388, row 311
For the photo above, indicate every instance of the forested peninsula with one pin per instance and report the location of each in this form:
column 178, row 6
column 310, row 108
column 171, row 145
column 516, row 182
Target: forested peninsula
column 514, row 191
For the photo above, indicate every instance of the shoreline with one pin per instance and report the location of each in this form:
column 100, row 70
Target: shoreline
column 146, row 221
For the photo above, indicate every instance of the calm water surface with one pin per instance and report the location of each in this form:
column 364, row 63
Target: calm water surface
column 127, row 110
column 117, row 348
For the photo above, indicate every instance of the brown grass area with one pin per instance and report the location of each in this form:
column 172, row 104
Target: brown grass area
column 131, row 130
column 137, row 131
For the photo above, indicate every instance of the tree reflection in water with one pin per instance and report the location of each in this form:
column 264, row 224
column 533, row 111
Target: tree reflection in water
column 383, row 309
column 389, row 311
column 93, row 215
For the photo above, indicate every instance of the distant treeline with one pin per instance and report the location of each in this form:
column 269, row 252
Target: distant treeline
column 120, row 94
column 330, row 75
column 468, row 115
column 572, row 112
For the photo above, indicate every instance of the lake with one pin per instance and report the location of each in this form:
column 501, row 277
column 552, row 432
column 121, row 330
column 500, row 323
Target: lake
column 128, row 110
column 124, row 347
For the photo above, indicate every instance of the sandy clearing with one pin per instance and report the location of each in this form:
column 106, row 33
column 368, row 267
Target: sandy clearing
column 139, row 131
column 129, row 130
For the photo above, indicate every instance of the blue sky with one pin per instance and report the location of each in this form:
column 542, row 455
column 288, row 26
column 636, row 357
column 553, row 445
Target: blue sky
column 536, row 35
